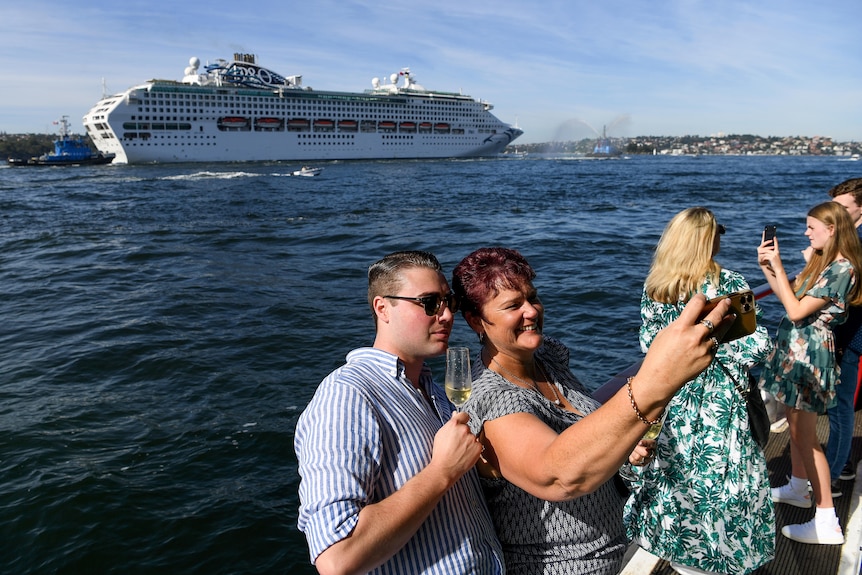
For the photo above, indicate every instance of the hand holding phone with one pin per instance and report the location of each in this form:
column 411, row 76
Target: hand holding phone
column 769, row 233
column 741, row 304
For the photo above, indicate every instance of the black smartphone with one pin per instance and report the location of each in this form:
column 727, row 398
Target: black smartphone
column 742, row 304
column 769, row 232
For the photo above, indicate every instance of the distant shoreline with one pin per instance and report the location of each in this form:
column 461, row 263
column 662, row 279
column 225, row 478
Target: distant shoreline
column 27, row 145
column 706, row 145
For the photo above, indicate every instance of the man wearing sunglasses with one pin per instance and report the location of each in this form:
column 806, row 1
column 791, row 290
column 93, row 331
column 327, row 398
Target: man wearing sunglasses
column 387, row 469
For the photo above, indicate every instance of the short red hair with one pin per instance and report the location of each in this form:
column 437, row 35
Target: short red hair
column 484, row 273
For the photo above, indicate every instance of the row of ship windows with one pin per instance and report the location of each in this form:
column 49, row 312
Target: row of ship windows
column 398, row 117
column 352, row 110
column 390, row 140
column 382, row 114
column 279, row 105
column 273, row 123
column 145, row 136
column 158, row 97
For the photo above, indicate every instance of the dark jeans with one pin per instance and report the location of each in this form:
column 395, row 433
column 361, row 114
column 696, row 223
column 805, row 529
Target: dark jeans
column 841, row 416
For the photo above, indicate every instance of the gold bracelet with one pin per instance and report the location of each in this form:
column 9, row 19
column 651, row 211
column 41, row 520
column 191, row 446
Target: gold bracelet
column 638, row 411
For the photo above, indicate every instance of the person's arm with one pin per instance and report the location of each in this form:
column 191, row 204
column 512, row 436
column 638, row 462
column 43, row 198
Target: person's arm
column 383, row 528
column 769, row 258
column 576, row 462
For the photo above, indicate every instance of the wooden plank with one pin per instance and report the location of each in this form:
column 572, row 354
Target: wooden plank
column 792, row 558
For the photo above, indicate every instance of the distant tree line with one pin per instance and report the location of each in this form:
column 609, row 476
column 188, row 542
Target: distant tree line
column 30, row 145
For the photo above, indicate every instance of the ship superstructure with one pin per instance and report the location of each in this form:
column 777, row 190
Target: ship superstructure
column 240, row 111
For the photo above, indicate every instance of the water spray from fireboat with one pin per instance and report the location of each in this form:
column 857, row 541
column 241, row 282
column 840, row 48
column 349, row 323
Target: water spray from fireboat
column 574, row 130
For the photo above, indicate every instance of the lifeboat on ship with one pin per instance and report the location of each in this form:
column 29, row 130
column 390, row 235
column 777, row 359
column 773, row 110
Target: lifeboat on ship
column 386, row 126
column 324, row 125
column 407, row 127
column 347, row 125
column 269, row 124
column 298, row 124
column 233, row 123
column 441, row 128
column 425, row 127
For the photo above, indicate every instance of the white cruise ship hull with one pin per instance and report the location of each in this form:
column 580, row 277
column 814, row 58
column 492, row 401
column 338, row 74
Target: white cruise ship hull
column 207, row 119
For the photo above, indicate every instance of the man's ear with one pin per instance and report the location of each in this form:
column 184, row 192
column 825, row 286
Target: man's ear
column 381, row 308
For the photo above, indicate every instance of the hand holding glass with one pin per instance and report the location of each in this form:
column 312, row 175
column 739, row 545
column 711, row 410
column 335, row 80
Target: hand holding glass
column 459, row 381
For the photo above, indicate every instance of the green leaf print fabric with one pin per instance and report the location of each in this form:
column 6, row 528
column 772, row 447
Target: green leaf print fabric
column 705, row 500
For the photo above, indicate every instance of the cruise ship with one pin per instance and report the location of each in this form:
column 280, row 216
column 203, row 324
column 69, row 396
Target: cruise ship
column 240, row 111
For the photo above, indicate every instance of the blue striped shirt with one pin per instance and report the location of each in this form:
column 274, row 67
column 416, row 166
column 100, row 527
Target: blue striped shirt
column 364, row 434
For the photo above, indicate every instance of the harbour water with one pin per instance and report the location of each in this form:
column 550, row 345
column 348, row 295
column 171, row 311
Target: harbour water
column 164, row 326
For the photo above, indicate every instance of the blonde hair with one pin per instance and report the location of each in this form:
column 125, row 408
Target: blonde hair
column 683, row 257
column 844, row 241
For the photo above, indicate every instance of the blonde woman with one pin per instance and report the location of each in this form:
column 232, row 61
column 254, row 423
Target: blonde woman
column 703, row 503
column 802, row 371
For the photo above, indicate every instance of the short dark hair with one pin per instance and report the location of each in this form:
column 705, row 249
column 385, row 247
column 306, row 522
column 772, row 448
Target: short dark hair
column 385, row 275
column 484, row 273
column 851, row 186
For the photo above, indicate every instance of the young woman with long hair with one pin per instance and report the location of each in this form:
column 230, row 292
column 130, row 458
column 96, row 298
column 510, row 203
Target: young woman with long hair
column 802, row 371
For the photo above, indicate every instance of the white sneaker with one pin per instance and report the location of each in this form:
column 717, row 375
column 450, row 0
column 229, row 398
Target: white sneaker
column 778, row 426
column 814, row 534
column 786, row 494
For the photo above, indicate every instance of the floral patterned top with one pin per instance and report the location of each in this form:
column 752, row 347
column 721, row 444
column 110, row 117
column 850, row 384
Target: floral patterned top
column 705, row 501
column 802, row 372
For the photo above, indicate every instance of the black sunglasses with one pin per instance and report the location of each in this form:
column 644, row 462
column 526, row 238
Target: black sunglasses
column 432, row 303
column 721, row 229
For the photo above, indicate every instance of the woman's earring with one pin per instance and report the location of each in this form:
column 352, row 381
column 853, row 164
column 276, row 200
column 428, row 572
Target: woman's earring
column 482, row 338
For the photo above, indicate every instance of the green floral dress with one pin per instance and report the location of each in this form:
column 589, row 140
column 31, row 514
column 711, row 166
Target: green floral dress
column 705, row 501
column 802, row 372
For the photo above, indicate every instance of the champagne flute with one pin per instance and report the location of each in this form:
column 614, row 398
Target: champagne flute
column 459, row 381
column 655, row 429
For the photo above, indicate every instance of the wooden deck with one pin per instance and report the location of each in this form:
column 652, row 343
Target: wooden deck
column 793, row 558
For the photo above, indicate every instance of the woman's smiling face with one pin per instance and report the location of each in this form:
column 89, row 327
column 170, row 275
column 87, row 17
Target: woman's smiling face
column 512, row 321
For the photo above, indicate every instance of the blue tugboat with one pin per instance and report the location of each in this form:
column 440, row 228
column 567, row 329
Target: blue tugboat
column 68, row 151
column 604, row 148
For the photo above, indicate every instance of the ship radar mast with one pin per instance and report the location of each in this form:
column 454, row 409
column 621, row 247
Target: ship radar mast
column 64, row 127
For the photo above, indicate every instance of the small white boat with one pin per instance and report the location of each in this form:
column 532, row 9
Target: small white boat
column 307, row 171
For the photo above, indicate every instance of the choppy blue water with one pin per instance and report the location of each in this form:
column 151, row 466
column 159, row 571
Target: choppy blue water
column 163, row 326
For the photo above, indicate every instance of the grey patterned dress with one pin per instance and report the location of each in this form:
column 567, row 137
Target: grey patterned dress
column 582, row 536
column 802, row 371
column 704, row 501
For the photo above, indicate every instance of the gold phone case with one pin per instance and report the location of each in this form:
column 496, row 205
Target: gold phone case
column 742, row 304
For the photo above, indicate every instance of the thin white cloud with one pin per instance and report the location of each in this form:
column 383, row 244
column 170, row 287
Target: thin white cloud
column 676, row 67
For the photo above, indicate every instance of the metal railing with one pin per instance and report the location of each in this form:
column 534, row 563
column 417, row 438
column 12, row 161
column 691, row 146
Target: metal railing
column 616, row 382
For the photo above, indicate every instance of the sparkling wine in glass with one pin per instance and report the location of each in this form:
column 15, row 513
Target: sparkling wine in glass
column 459, row 381
column 655, row 429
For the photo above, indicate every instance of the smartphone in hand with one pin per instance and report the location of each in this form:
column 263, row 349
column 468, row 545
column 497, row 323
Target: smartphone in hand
column 769, row 232
column 741, row 304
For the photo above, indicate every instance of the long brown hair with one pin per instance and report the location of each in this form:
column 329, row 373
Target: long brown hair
column 844, row 241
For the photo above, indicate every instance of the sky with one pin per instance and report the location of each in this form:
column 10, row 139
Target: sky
column 558, row 69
